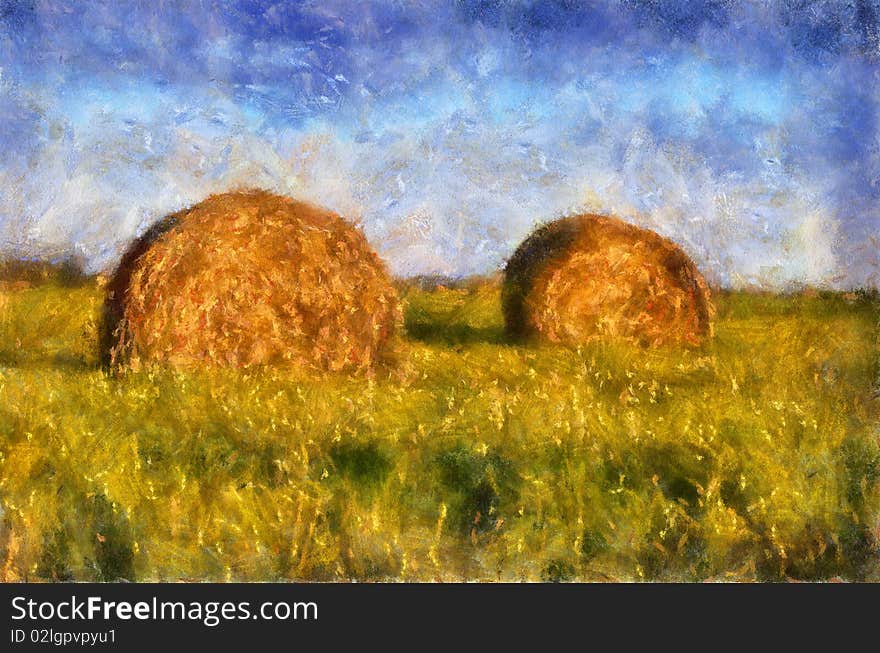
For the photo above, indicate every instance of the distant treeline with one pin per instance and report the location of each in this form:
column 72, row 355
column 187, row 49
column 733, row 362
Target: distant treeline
column 439, row 281
column 71, row 272
column 22, row 272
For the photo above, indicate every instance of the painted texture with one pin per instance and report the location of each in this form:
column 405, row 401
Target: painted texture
column 250, row 278
column 589, row 276
column 745, row 131
column 755, row 457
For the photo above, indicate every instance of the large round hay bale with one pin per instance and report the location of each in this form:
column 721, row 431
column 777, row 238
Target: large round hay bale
column 250, row 278
column 590, row 276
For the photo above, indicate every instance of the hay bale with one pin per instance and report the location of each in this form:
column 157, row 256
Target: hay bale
column 250, row 278
column 589, row 276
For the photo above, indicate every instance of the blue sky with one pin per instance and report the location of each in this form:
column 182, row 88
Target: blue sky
column 745, row 131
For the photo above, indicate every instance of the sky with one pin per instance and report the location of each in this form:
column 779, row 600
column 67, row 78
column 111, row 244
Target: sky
column 747, row 132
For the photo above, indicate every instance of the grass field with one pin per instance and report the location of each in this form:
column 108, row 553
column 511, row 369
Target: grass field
column 754, row 458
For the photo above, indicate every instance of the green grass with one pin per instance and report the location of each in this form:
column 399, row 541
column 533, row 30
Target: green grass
column 754, row 458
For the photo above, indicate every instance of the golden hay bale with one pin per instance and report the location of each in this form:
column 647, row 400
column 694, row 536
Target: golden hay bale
column 589, row 276
column 250, row 278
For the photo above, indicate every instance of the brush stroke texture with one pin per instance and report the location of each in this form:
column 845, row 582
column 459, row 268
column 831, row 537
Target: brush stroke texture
column 745, row 131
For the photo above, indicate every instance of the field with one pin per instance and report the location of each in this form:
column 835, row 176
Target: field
column 754, row 458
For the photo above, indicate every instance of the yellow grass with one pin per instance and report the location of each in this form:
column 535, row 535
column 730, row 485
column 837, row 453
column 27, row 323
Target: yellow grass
column 755, row 457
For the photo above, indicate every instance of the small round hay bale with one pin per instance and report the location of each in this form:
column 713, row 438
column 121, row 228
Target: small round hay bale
column 590, row 276
column 250, row 278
